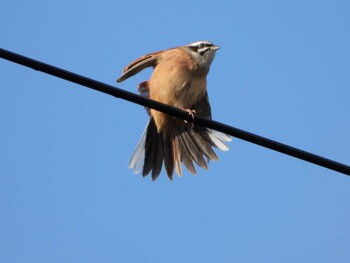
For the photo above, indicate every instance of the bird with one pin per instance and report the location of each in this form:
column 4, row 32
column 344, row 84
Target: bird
column 179, row 79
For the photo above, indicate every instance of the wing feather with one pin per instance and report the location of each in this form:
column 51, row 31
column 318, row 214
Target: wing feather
column 149, row 60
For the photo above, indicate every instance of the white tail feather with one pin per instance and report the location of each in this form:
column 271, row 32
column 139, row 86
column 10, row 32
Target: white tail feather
column 218, row 139
column 221, row 136
column 136, row 160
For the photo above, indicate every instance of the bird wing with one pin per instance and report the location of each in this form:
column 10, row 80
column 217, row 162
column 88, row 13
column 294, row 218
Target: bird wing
column 149, row 60
column 217, row 139
column 202, row 107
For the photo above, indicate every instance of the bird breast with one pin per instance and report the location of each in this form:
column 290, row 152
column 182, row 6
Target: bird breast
column 176, row 80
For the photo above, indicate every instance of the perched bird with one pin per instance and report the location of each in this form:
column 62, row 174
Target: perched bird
column 178, row 79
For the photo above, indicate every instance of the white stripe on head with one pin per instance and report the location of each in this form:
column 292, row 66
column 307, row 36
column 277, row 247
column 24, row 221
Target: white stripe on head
column 198, row 43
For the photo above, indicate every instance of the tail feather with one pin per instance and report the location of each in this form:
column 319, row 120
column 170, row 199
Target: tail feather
column 158, row 157
column 219, row 139
column 169, row 150
column 221, row 136
column 136, row 160
column 203, row 145
column 191, row 147
column 177, row 155
column 180, row 143
column 150, row 149
column 218, row 143
column 186, row 156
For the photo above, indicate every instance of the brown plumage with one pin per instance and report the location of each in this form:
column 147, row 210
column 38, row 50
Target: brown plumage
column 178, row 79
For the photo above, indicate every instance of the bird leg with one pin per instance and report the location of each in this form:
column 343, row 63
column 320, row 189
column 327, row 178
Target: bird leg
column 191, row 113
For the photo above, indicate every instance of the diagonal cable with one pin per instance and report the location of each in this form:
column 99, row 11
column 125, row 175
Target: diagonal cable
column 132, row 97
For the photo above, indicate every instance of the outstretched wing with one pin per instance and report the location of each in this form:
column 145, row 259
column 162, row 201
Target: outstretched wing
column 149, row 60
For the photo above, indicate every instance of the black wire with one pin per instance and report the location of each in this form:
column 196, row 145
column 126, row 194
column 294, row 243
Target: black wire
column 129, row 96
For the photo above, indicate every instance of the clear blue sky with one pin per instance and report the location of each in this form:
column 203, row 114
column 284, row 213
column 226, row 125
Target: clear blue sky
column 66, row 194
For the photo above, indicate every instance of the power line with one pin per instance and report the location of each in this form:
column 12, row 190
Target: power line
column 129, row 96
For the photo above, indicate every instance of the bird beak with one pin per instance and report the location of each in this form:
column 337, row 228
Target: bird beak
column 215, row 47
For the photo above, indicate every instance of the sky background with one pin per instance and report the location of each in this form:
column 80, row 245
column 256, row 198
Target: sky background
column 66, row 194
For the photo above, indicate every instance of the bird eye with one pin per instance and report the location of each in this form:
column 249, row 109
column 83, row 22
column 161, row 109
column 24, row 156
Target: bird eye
column 201, row 45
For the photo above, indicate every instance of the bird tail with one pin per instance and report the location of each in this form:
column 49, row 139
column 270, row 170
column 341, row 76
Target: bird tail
column 179, row 143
